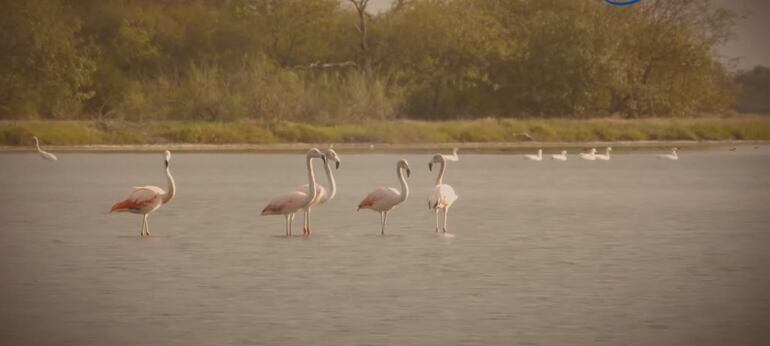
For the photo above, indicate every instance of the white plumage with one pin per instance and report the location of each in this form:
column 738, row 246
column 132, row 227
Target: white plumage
column 44, row 154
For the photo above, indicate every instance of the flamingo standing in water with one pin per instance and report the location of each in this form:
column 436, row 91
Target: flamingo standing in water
column 289, row 203
column 443, row 195
column 672, row 156
column 384, row 199
column 452, row 157
column 321, row 195
column 590, row 156
column 147, row 199
column 560, row 157
column 606, row 156
column 46, row 155
column 538, row 157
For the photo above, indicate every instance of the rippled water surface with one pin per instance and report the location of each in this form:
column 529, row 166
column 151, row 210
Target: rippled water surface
column 634, row 251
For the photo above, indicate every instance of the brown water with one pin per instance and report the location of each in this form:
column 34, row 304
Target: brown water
column 634, row 251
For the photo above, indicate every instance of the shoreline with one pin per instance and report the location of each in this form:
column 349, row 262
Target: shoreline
column 474, row 147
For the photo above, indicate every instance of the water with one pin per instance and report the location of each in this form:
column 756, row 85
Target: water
column 634, row 251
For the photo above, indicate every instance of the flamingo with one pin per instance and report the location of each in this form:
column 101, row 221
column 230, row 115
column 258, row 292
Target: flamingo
column 443, row 195
column 590, row 156
column 452, row 157
column 46, row 155
column 321, row 195
column 147, row 199
column 560, row 157
column 288, row 204
column 384, row 199
column 606, row 156
column 672, row 156
column 538, row 157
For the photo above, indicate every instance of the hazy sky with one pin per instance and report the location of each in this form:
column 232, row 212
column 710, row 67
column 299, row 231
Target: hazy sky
column 752, row 32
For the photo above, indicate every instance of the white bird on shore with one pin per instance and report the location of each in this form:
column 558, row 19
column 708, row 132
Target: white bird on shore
column 452, row 157
column 560, row 157
column 384, row 199
column 46, row 155
column 590, row 156
column 288, row 204
column 321, row 192
column 443, row 195
column 147, row 199
column 606, row 156
column 538, row 157
column 672, row 156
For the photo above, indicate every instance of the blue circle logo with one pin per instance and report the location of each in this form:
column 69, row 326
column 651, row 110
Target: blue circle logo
column 621, row 2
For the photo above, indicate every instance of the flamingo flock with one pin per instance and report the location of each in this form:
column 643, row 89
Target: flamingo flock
column 144, row 200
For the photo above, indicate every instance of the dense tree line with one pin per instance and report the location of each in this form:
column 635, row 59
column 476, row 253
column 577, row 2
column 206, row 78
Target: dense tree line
column 332, row 61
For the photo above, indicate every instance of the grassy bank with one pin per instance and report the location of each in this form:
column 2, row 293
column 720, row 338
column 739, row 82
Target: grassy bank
column 397, row 132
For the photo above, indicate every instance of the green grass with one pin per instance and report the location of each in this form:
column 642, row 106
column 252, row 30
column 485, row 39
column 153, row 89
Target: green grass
column 402, row 132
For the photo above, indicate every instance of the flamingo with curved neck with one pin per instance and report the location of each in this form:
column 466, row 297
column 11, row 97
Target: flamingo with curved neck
column 288, row 204
column 322, row 196
column 384, row 199
column 147, row 199
column 443, row 195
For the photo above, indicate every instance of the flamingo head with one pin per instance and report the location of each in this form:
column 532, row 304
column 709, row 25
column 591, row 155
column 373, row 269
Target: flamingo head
column 455, row 150
column 317, row 154
column 609, row 148
column 564, row 152
column 674, row 149
column 332, row 155
column 402, row 164
column 593, row 150
column 167, row 155
column 436, row 159
column 35, row 138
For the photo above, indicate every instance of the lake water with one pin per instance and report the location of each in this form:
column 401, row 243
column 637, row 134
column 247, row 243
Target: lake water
column 634, row 251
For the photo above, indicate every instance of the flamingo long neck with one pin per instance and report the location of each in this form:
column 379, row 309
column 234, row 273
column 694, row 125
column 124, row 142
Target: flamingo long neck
column 440, row 178
column 37, row 144
column 171, row 191
column 404, row 186
column 607, row 151
column 332, row 183
column 673, row 153
column 311, row 178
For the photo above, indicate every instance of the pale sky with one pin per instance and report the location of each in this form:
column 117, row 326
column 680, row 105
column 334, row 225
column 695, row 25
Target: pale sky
column 752, row 31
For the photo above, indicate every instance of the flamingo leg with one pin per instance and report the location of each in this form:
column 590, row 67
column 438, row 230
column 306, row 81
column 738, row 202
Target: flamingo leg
column 435, row 211
column 384, row 220
column 304, row 221
column 288, row 232
column 146, row 226
column 446, row 211
column 291, row 220
column 144, row 221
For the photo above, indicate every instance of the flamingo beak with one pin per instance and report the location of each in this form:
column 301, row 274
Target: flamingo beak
column 166, row 163
column 336, row 165
column 323, row 157
column 408, row 172
column 430, row 166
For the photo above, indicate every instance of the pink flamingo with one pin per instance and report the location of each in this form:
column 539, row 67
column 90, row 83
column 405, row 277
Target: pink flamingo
column 384, row 199
column 321, row 193
column 289, row 203
column 147, row 199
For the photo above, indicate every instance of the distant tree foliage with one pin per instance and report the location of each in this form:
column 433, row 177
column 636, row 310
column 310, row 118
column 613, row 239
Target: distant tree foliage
column 754, row 90
column 332, row 61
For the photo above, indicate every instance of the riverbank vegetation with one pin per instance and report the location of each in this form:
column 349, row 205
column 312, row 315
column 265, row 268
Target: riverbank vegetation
column 396, row 131
column 337, row 62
